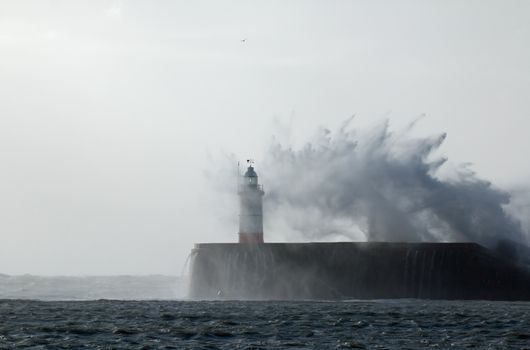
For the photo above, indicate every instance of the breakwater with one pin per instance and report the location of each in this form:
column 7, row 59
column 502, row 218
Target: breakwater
column 350, row 270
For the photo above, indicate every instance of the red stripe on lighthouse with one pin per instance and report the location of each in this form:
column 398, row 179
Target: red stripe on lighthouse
column 251, row 238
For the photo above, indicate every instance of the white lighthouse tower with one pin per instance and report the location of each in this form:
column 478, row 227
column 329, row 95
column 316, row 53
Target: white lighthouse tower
column 250, row 207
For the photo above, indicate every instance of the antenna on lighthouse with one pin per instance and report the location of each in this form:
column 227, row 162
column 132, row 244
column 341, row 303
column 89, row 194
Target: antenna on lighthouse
column 238, row 177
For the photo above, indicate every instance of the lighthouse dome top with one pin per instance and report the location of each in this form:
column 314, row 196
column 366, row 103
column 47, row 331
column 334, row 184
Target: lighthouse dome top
column 250, row 172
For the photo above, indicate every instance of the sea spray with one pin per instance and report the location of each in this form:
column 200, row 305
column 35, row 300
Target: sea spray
column 376, row 185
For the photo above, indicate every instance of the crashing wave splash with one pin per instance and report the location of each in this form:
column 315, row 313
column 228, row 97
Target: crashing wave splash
column 378, row 185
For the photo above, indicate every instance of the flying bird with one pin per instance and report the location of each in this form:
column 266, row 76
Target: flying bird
column 244, row 40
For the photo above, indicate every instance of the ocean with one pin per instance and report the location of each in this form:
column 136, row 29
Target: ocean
column 386, row 324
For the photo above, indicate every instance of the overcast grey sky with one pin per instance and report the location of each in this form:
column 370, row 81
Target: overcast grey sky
column 108, row 109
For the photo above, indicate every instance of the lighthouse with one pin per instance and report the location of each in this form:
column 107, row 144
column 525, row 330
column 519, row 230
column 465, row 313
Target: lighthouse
column 250, row 207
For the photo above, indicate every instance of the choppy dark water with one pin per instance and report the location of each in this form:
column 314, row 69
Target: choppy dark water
column 395, row 324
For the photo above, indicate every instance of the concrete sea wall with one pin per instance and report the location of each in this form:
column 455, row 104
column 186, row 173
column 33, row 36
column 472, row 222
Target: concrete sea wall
column 370, row 270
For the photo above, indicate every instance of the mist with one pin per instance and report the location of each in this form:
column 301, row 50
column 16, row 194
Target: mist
column 379, row 183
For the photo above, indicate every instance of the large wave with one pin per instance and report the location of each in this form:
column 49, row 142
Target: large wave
column 379, row 185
